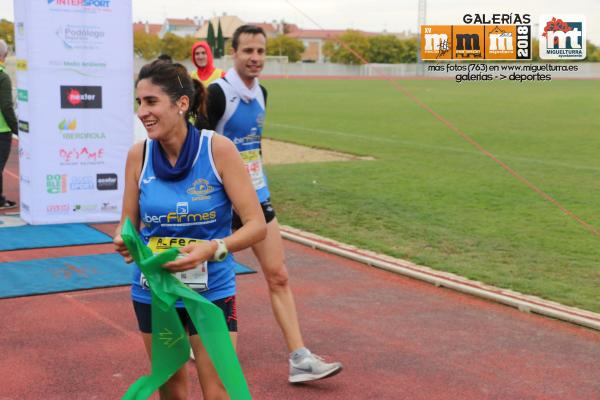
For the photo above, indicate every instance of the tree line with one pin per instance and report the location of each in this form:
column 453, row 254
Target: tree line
column 351, row 47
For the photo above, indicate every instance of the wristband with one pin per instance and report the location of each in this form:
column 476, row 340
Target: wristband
column 221, row 252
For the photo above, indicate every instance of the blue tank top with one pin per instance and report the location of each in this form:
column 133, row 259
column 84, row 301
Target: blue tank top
column 174, row 213
column 243, row 123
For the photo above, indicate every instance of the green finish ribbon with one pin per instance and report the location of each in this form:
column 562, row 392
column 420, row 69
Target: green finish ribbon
column 170, row 343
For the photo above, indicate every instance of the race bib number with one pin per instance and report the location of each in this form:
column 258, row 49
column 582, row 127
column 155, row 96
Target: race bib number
column 253, row 164
column 196, row 278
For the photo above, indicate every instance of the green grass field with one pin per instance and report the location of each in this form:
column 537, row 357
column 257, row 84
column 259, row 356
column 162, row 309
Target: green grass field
column 432, row 198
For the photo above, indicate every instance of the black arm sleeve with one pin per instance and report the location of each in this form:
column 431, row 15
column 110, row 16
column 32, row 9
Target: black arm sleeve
column 215, row 105
column 6, row 103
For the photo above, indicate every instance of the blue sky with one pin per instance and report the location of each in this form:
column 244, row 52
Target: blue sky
column 379, row 15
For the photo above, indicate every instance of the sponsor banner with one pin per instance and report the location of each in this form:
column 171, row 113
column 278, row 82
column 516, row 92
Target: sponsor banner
column 81, row 37
column 23, row 126
column 22, row 95
column 81, row 97
column 69, row 129
column 85, row 208
column 19, row 30
column 82, row 155
column 78, row 82
column 108, row 207
column 562, row 37
column 57, row 209
column 56, row 184
column 81, row 183
column 21, row 65
column 475, row 42
column 23, row 153
column 80, row 6
column 107, row 182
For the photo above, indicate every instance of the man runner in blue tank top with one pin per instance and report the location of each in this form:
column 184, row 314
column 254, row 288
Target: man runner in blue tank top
column 236, row 109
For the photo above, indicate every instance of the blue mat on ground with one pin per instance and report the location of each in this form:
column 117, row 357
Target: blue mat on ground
column 36, row 236
column 51, row 275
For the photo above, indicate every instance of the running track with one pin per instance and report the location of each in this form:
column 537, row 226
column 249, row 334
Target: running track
column 398, row 338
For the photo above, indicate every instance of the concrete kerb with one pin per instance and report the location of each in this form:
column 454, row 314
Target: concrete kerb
column 525, row 303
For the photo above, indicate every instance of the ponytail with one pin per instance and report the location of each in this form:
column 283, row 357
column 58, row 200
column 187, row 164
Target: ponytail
column 198, row 105
column 175, row 81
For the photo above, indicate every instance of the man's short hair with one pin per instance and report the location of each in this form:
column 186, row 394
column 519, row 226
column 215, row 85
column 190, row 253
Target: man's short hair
column 3, row 48
column 250, row 29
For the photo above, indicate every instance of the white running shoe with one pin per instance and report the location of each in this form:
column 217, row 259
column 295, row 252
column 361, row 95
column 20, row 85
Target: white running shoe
column 8, row 204
column 312, row 368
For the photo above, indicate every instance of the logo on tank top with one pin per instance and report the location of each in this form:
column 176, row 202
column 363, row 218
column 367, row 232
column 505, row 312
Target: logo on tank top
column 181, row 217
column 200, row 189
column 148, row 180
column 182, row 208
column 252, row 138
column 260, row 120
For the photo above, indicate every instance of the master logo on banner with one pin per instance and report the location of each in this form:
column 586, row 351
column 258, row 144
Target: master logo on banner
column 81, row 96
column 106, row 181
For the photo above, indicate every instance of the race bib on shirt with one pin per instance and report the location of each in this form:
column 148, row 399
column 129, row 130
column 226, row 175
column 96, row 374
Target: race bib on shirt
column 196, row 278
column 253, row 164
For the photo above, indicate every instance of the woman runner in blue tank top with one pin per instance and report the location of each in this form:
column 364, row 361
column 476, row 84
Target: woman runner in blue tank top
column 180, row 187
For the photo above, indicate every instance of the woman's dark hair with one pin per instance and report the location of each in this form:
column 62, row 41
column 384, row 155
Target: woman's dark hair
column 201, row 117
column 175, row 81
column 165, row 57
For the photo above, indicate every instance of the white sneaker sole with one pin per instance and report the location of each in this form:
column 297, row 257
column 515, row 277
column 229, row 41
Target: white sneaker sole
column 312, row 377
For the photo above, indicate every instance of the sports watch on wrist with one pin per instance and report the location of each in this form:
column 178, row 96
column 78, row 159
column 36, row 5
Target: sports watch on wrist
column 221, row 252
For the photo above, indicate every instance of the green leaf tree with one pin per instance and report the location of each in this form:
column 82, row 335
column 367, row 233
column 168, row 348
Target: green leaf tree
column 285, row 46
column 220, row 45
column 535, row 50
column 409, row 50
column 337, row 49
column 177, row 47
column 145, row 45
column 385, row 49
column 592, row 52
column 210, row 37
column 7, row 30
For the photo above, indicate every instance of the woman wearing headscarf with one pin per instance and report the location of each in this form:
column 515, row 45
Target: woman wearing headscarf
column 202, row 58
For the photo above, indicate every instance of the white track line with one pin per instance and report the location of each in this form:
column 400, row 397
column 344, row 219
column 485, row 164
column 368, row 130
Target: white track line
column 514, row 299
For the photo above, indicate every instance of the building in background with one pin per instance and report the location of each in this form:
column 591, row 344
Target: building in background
column 272, row 30
column 151, row 29
column 229, row 23
column 180, row 27
column 314, row 39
